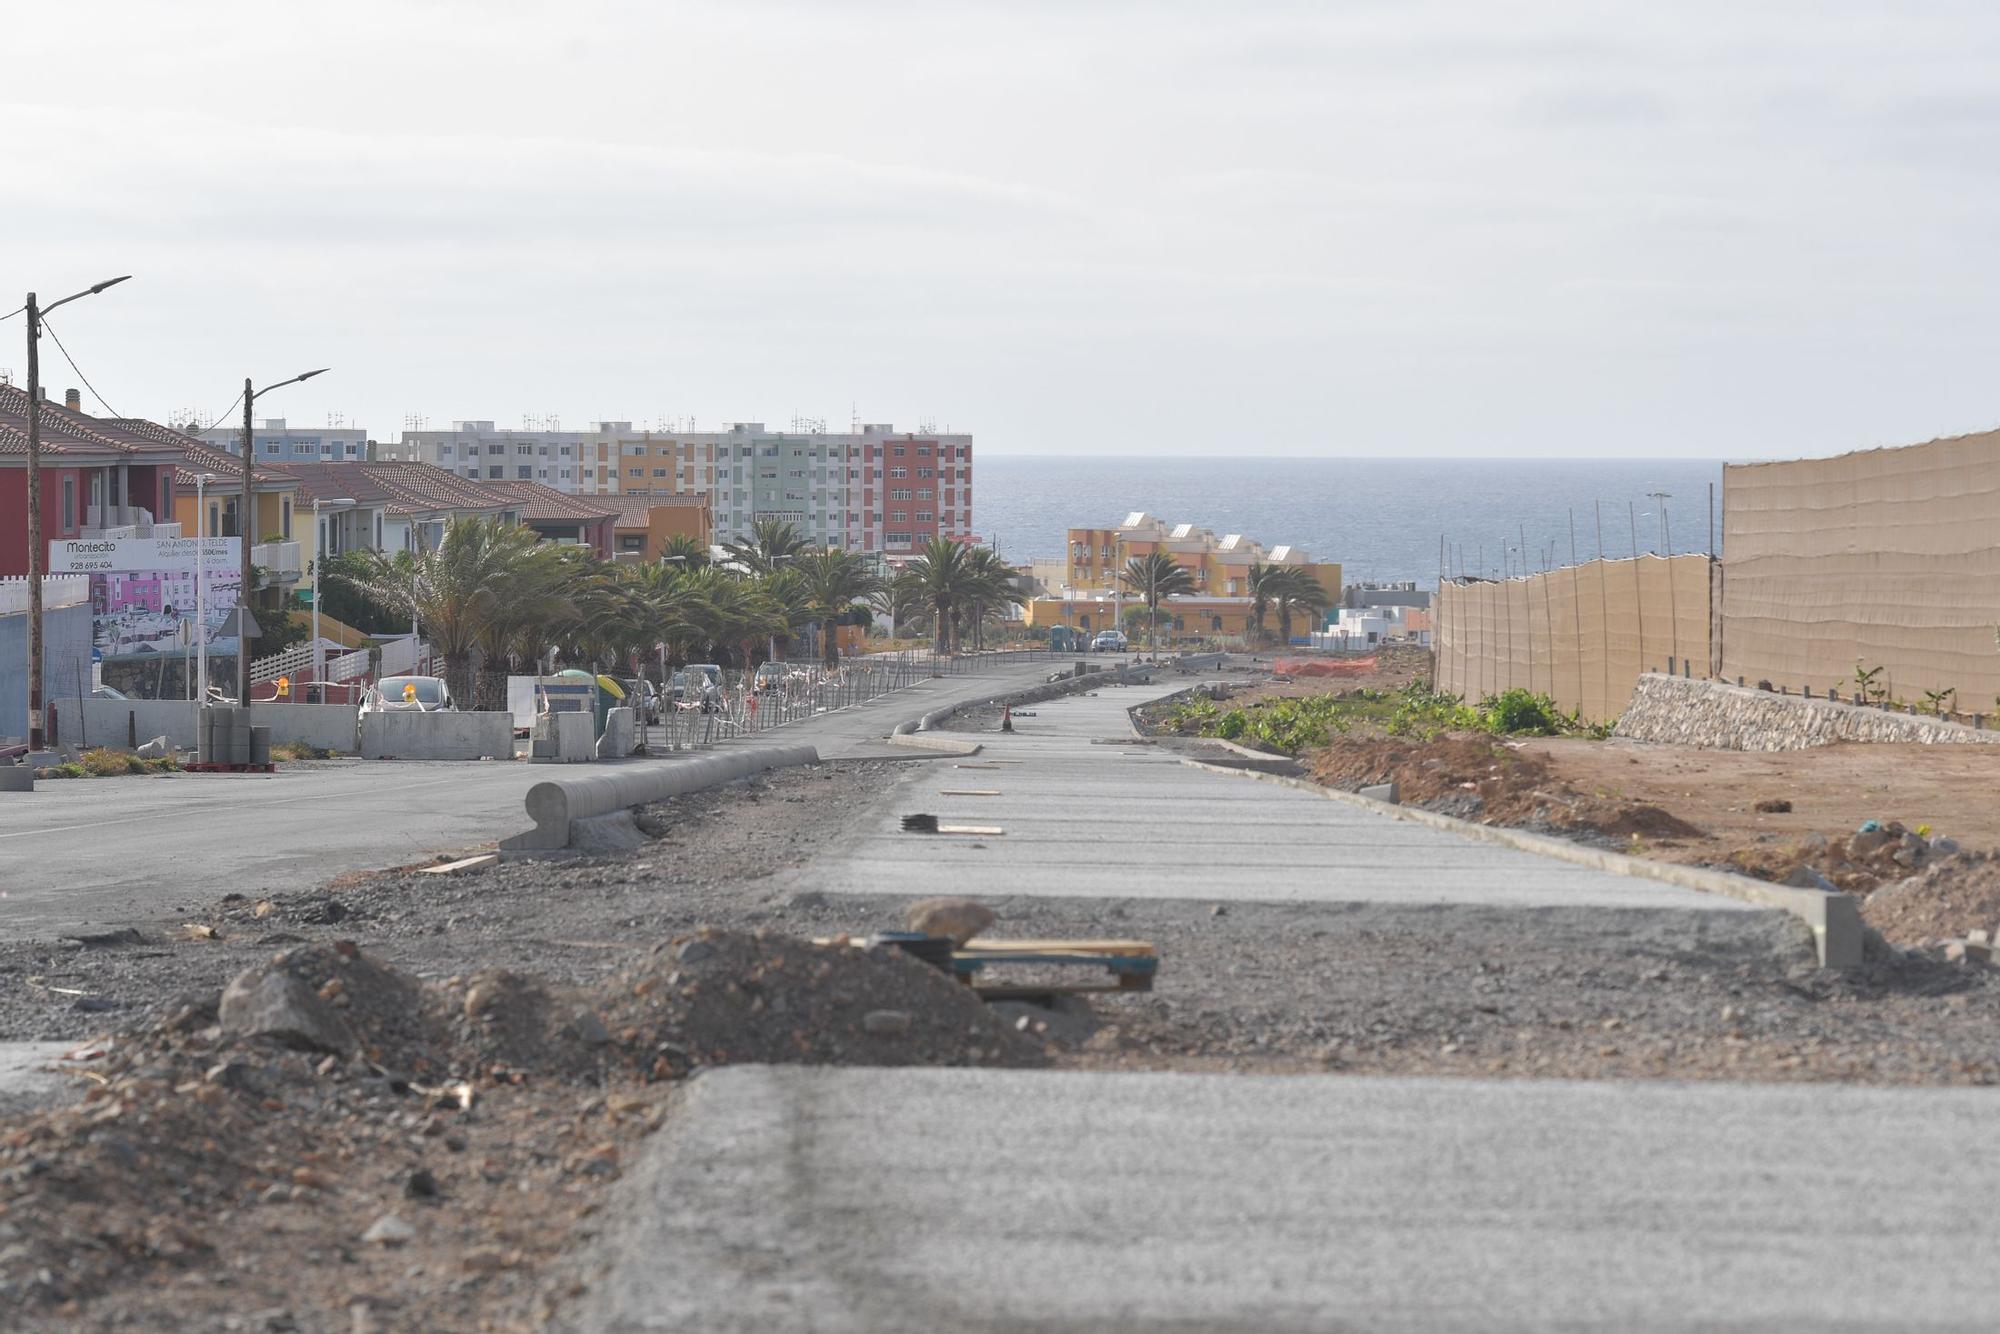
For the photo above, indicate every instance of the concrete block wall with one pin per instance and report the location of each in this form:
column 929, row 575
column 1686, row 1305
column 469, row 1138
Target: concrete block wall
column 326, row 726
column 114, row 722
column 1674, row 711
column 66, row 635
column 437, row 736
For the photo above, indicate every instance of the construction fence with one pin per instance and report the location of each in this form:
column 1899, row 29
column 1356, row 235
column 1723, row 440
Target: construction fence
column 1580, row 635
column 1886, row 558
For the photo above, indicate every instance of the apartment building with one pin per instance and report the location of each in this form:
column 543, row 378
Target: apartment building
column 870, row 490
column 276, row 441
column 1220, row 565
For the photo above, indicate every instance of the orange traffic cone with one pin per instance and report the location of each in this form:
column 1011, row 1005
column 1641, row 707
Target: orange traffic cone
column 1006, row 719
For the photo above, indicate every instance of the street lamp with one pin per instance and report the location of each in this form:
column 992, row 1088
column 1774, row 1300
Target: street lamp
column 35, row 557
column 319, row 554
column 245, row 518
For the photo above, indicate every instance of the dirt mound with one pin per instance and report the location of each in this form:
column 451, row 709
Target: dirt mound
column 1944, row 902
column 728, row 997
column 323, row 1079
column 1479, row 778
column 1857, row 863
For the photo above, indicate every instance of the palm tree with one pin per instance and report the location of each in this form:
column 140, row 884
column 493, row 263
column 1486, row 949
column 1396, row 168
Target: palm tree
column 538, row 598
column 1154, row 576
column 989, row 584
column 772, row 542
column 1260, row 596
column 1295, row 590
column 834, row 581
column 687, row 552
column 937, row 580
column 453, row 590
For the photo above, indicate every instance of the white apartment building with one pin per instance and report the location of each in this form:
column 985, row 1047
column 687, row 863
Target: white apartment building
column 867, row 490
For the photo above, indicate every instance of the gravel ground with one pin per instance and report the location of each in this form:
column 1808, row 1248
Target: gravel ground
column 1364, row 987
column 1243, row 986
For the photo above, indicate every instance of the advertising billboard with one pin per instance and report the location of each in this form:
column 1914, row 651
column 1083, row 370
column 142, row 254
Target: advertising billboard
column 143, row 591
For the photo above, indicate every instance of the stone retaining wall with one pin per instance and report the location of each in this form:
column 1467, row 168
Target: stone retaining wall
column 1682, row 712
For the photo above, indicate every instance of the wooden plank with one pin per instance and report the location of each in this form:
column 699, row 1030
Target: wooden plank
column 463, row 864
column 1130, row 949
column 968, row 792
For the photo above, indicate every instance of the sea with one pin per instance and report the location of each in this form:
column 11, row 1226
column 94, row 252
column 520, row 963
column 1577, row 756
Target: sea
column 1382, row 519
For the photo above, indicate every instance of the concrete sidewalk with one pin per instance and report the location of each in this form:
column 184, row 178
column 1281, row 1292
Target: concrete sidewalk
column 1090, row 813
column 782, row 1199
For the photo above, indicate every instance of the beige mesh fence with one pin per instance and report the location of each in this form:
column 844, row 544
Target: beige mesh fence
column 1890, row 557
column 1580, row 635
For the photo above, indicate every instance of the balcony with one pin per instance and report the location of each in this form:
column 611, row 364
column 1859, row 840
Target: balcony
column 278, row 560
column 116, row 521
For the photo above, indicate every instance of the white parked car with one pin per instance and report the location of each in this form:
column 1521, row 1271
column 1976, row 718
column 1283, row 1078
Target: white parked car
column 408, row 694
column 1108, row 641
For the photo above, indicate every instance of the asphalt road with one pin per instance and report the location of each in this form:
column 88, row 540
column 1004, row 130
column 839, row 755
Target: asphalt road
column 84, row 854
column 887, row 1200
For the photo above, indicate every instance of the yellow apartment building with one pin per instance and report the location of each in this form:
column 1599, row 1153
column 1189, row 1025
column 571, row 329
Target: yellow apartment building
column 1220, row 565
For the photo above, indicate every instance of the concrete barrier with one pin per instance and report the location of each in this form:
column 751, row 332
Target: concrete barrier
column 124, row 723
column 558, row 803
column 620, row 735
column 437, row 736
column 568, row 737
column 326, row 726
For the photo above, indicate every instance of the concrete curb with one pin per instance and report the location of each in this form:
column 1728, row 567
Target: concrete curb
column 1835, row 919
column 555, row 804
column 931, row 741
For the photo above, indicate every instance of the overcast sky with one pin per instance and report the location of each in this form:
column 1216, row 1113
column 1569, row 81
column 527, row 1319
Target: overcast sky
column 1444, row 227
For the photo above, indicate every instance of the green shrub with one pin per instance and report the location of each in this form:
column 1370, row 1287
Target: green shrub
column 1516, row 712
column 1294, row 725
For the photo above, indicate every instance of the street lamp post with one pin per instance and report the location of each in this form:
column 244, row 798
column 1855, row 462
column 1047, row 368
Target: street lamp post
column 201, row 583
column 319, row 554
column 245, row 517
column 35, row 313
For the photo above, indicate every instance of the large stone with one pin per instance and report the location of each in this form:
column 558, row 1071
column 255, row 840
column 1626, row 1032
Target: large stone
column 159, row 748
column 1805, row 877
column 958, row 919
column 271, row 1003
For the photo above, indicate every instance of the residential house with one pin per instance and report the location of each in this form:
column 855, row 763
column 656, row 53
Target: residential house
column 645, row 524
column 557, row 517
column 395, row 506
column 98, row 478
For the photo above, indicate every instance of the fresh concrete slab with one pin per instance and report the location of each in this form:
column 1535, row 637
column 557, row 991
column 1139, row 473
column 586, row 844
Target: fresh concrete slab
column 1090, row 812
column 850, row 1201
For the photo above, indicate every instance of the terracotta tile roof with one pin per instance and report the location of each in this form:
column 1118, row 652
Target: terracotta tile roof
column 219, row 465
column 631, row 510
column 404, row 488
column 77, row 435
column 537, row 502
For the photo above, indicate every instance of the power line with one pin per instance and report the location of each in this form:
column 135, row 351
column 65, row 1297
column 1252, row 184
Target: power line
column 225, row 412
column 79, row 372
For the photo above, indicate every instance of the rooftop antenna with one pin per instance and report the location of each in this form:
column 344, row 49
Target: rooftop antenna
column 414, row 421
column 336, row 419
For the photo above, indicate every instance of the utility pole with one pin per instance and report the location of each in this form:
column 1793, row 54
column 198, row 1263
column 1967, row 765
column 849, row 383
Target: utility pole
column 35, row 718
column 244, row 515
column 36, row 562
